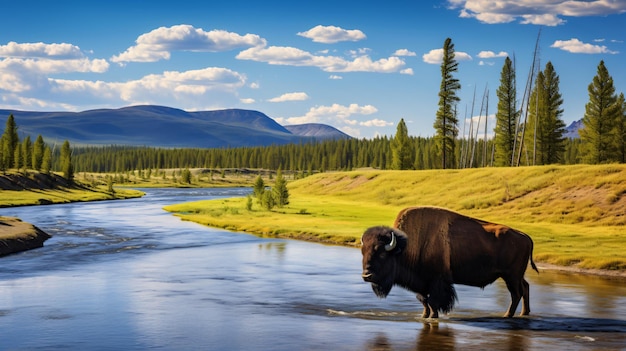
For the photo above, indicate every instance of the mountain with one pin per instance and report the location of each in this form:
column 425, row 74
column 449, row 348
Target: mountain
column 159, row 126
column 572, row 130
column 316, row 130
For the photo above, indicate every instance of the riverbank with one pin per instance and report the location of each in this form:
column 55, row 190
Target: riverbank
column 35, row 188
column 575, row 214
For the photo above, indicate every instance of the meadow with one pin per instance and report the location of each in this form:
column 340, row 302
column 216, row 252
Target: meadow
column 576, row 215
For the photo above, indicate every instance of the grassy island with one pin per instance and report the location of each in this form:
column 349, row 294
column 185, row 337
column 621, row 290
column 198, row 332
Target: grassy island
column 576, row 215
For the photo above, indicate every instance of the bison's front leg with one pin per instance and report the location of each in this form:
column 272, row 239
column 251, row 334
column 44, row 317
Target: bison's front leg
column 429, row 312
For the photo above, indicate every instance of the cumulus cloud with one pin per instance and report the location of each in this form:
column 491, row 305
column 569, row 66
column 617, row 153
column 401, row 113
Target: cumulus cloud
column 578, row 47
column 189, row 89
column 404, row 52
column 159, row 43
column 290, row 97
column 187, row 83
column 335, row 77
column 290, row 56
column 41, row 50
column 435, row 56
column 546, row 13
column 376, row 123
column 247, row 101
column 334, row 114
column 491, row 54
column 332, row 34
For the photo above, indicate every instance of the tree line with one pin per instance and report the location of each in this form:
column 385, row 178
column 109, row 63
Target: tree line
column 22, row 155
column 532, row 133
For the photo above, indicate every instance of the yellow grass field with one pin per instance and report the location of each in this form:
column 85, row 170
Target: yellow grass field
column 575, row 214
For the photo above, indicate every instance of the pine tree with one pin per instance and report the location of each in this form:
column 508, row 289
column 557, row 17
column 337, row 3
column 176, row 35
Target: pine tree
column 599, row 120
column 258, row 188
column 280, row 191
column 446, row 122
column 10, row 141
column 27, row 153
column 185, row 176
column 46, row 160
column 38, row 149
column 402, row 152
column 66, row 161
column 545, row 129
column 506, row 116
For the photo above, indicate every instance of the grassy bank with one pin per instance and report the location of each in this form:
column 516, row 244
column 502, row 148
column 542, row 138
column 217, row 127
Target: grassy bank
column 34, row 188
column 575, row 214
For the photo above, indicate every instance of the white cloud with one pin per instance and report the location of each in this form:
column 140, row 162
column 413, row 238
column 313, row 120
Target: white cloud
column 546, row 13
column 61, row 51
column 290, row 56
column 332, row 34
column 335, row 77
column 435, row 56
column 491, row 54
column 376, row 123
column 290, row 97
column 407, row 71
column 404, row 52
column 334, row 114
column 247, row 101
column 159, row 43
column 187, row 89
column 578, row 47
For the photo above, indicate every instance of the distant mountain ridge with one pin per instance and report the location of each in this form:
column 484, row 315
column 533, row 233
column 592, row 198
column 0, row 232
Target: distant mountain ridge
column 161, row 126
column 571, row 131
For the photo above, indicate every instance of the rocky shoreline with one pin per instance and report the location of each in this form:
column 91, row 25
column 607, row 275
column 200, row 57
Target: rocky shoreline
column 17, row 236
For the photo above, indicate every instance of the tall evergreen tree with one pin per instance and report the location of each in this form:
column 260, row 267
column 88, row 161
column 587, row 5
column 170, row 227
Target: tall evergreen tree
column 545, row 132
column 258, row 188
column 46, row 160
column 27, row 152
column 38, row 149
column 601, row 112
column 401, row 148
column 446, row 121
column 280, row 191
column 10, row 140
column 66, row 161
column 506, row 116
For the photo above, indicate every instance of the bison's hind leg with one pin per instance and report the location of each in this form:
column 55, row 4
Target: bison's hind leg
column 526, row 298
column 516, row 289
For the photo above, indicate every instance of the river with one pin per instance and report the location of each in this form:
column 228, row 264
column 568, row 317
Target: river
column 126, row 275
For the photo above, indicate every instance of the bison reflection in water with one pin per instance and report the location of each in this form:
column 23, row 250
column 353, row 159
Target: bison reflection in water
column 430, row 249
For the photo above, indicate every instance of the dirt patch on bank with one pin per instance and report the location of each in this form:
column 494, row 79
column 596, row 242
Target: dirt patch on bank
column 16, row 236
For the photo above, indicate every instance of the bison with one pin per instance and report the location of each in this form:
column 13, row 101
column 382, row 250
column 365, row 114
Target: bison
column 430, row 249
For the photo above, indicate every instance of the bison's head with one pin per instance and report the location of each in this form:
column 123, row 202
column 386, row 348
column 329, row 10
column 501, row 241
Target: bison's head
column 381, row 247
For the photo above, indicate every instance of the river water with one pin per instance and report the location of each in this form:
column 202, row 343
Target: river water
column 126, row 275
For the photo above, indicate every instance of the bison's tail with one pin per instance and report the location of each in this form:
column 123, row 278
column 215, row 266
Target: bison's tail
column 532, row 263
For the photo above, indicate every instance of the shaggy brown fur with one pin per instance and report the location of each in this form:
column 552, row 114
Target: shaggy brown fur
column 436, row 248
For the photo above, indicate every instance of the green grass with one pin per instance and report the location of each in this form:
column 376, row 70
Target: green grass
column 10, row 198
column 575, row 214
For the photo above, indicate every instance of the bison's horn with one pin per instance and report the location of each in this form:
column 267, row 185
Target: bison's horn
column 392, row 243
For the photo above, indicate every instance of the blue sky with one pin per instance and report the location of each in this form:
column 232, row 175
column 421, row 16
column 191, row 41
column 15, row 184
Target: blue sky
column 359, row 66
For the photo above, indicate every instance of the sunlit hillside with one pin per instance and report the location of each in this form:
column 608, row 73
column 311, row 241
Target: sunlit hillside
column 575, row 214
